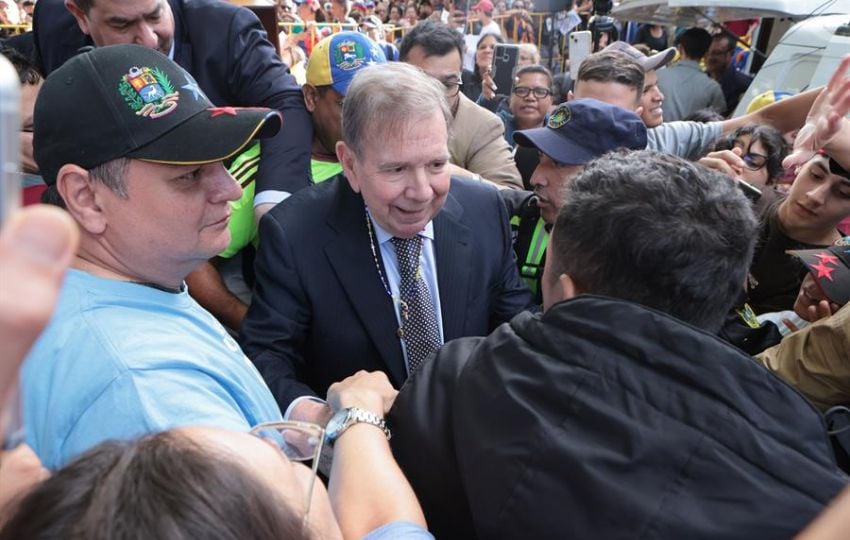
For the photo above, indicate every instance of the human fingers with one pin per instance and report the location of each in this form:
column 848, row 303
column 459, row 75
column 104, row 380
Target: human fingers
column 720, row 164
column 822, row 310
column 369, row 390
column 791, row 326
column 36, row 247
column 839, row 75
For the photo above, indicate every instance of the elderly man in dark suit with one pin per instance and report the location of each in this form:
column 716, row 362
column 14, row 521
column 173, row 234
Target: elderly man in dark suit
column 378, row 271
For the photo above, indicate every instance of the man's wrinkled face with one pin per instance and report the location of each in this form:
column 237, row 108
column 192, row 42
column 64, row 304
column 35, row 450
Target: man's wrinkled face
column 402, row 175
column 550, row 180
column 149, row 23
column 652, row 101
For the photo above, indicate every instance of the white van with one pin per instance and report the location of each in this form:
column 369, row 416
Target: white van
column 805, row 57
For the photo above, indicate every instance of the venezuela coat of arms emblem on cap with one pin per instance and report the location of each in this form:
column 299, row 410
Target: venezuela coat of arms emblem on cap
column 560, row 117
column 148, row 92
column 348, row 54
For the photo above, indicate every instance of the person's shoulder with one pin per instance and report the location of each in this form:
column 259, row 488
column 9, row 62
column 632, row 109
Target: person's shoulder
column 201, row 13
column 197, row 7
column 308, row 205
column 464, row 189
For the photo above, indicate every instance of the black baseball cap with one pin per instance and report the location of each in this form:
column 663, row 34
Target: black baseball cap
column 582, row 130
column 131, row 101
column 831, row 269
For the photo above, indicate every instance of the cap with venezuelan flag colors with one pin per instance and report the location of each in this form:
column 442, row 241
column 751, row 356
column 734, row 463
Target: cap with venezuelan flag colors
column 337, row 58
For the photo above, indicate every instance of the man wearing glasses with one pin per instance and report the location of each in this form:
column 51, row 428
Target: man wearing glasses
column 477, row 146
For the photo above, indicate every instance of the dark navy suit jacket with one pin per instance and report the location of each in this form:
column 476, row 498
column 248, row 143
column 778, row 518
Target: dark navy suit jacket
column 320, row 310
column 226, row 50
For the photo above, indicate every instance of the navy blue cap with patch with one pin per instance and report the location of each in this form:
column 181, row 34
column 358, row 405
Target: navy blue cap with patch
column 131, row 101
column 582, row 130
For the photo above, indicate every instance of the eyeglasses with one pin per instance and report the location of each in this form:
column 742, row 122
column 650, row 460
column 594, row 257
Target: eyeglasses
column 299, row 441
column 538, row 91
column 754, row 161
column 452, row 88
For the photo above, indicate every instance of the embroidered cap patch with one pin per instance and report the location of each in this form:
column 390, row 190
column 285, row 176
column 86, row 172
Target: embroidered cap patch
column 560, row 117
column 148, row 92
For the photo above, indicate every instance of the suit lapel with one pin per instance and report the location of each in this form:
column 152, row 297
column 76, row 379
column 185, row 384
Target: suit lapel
column 182, row 46
column 452, row 249
column 351, row 257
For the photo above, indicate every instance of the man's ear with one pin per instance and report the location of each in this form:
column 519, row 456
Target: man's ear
column 348, row 161
column 639, row 110
column 567, row 287
column 79, row 15
column 80, row 195
column 570, row 95
column 311, row 95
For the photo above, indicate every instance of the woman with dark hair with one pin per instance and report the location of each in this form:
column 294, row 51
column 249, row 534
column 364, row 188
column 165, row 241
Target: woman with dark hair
column 165, row 485
column 760, row 147
column 473, row 82
column 205, row 482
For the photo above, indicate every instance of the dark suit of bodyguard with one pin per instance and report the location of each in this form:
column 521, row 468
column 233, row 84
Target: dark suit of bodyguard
column 323, row 306
column 226, row 50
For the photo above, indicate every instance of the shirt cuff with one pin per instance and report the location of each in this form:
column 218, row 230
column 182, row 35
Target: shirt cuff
column 270, row 196
column 298, row 400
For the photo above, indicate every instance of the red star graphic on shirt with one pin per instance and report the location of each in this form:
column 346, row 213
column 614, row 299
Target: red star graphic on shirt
column 218, row 111
column 827, row 257
column 823, row 270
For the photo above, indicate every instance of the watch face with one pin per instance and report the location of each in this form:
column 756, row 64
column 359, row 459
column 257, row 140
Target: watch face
column 335, row 424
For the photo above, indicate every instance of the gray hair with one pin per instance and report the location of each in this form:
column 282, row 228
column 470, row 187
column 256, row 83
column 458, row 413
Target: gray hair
column 384, row 97
column 110, row 174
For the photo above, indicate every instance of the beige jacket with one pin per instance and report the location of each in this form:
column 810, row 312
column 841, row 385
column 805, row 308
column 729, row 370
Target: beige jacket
column 477, row 143
column 816, row 360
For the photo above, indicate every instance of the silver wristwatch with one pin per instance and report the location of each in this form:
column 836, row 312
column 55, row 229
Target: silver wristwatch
column 345, row 418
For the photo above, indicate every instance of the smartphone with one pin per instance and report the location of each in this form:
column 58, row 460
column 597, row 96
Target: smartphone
column 505, row 57
column 10, row 199
column 580, row 45
column 10, row 139
column 752, row 192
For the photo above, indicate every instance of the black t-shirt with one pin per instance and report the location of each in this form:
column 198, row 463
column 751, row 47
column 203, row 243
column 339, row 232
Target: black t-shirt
column 645, row 36
column 775, row 276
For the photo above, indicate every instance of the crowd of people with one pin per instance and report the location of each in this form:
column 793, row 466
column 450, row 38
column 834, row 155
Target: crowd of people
column 384, row 298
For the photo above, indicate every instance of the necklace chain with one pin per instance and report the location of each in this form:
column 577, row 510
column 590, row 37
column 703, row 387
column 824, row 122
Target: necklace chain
column 403, row 308
column 375, row 256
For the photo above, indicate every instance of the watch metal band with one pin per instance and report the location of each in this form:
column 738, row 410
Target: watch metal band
column 357, row 416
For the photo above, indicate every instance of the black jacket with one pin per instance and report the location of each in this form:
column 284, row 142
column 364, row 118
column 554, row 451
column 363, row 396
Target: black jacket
column 605, row 419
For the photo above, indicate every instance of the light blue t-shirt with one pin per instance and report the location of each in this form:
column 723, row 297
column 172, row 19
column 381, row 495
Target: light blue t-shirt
column 120, row 359
column 399, row 530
